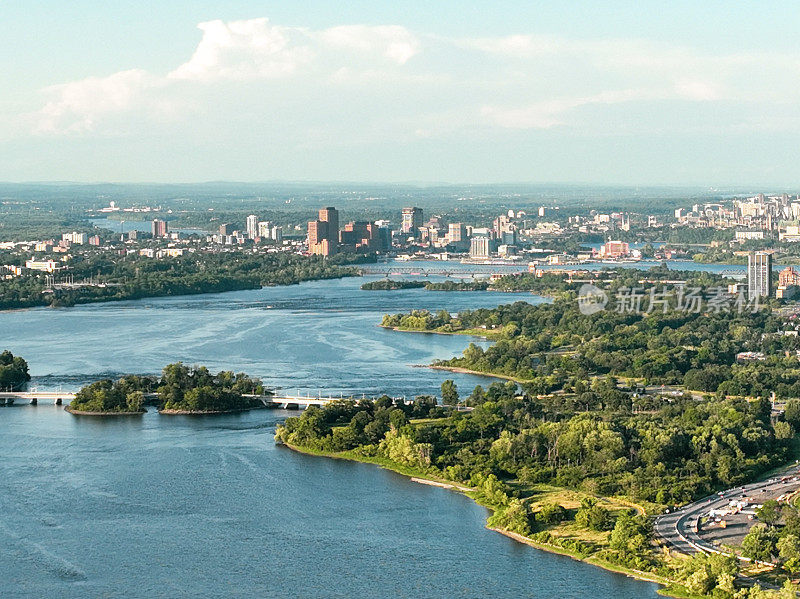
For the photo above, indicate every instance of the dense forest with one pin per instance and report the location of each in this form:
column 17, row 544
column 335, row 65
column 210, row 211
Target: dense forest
column 180, row 388
column 13, row 372
column 512, row 445
column 555, row 346
column 136, row 277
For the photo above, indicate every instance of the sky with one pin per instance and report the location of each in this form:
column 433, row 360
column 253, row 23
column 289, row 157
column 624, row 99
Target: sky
column 612, row 93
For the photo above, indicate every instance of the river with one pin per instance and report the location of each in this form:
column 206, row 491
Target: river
column 209, row 507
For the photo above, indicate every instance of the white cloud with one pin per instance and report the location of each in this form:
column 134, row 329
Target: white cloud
column 76, row 107
column 245, row 50
column 396, row 43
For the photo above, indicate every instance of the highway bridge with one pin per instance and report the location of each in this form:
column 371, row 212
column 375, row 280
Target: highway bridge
column 8, row 398
column 479, row 270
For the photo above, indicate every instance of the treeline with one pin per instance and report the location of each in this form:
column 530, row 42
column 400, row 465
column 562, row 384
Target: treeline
column 136, row 277
column 180, row 388
column 13, row 372
column 556, row 346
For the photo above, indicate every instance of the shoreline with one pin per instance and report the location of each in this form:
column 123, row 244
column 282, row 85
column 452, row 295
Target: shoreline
column 461, row 333
column 85, row 413
column 668, row 587
column 461, row 370
column 207, row 412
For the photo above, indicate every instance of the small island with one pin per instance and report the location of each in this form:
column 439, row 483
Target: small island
column 391, row 285
column 185, row 390
column 13, row 372
column 180, row 390
column 110, row 398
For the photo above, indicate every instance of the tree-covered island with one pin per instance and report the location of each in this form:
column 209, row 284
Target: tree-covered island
column 181, row 389
column 13, row 372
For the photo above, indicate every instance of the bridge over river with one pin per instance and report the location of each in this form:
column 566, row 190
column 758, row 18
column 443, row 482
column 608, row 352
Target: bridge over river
column 9, row 398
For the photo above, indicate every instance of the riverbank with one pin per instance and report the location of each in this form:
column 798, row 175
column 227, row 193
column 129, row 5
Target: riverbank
column 670, row 588
column 208, row 412
column 491, row 375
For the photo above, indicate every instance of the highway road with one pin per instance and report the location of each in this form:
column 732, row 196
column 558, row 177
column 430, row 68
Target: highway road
column 677, row 530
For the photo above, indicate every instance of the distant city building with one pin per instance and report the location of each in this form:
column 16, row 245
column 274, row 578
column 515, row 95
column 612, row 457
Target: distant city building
column 76, row 238
column 614, row 249
column 412, row 221
column 323, row 233
column 759, row 274
column 225, row 229
column 94, row 240
column 159, row 228
column 747, row 235
column 251, row 226
column 456, row 233
column 42, row 265
column 788, row 283
column 788, row 277
column 264, row 229
column 480, row 247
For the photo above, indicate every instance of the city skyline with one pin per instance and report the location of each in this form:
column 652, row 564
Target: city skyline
column 660, row 95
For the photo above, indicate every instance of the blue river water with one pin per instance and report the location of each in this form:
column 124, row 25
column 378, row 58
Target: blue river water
column 210, row 507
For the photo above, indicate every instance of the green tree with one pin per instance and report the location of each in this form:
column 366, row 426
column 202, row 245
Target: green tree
column 769, row 512
column 759, row 544
column 449, row 393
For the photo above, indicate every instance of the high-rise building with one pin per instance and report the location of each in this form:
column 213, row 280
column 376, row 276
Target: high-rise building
column 317, row 232
column 479, row 247
column 759, row 274
column 251, row 226
column 226, row 229
column 456, row 232
column 265, row 229
column 159, row 228
column 330, row 215
column 412, row 221
column 323, row 233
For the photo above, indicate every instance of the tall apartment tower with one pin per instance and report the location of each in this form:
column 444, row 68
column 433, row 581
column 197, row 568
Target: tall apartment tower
column 330, row 215
column 251, row 226
column 412, row 221
column 323, row 233
column 759, row 274
column 159, row 228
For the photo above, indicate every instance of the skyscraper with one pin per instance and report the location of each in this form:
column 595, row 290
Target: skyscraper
column 456, row 233
column 759, row 274
column 412, row 221
column 323, row 233
column 159, row 228
column 251, row 226
column 330, row 215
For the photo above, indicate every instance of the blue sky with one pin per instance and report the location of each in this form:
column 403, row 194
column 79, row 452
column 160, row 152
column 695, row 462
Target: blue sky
column 661, row 93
